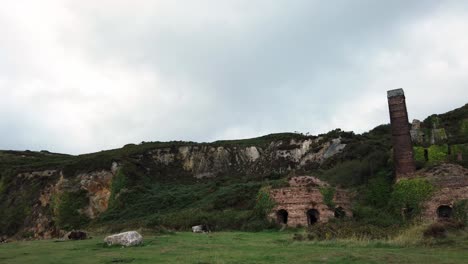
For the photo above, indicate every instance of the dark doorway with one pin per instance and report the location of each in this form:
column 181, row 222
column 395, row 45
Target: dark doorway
column 444, row 211
column 312, row 216
column 282, row 216
column 339, row 212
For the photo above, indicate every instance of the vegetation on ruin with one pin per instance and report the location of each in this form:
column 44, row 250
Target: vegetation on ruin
column 409, row 194
column 328, row 193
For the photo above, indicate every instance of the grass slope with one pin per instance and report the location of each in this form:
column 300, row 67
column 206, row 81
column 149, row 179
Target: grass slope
column 226, row 247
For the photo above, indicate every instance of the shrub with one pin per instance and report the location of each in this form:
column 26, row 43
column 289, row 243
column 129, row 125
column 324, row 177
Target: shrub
column 409, row 194
column 377, row 192
column 460, row 211
column 68, row 216
column 328, row 193
column 435, row 230
column 264, row 204
column 347, row 229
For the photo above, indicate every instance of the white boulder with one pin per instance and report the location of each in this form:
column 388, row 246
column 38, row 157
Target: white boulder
column 197, row 229
column 130, row 238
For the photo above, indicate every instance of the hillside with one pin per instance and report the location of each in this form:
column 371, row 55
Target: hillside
column 179, row 184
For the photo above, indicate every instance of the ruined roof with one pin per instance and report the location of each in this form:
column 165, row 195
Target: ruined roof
column 396, row 92
column 446, row 175
column 306, row 181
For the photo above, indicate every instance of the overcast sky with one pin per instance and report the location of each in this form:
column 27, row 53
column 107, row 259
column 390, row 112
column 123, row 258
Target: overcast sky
column 83, row 76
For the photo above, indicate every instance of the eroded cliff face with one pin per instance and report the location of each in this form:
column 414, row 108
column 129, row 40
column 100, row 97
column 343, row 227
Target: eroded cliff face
column 277, row 157
column 192, row 161
column 40, row 223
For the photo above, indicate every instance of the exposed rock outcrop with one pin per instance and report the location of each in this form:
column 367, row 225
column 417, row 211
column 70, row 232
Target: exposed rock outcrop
column 277, row 157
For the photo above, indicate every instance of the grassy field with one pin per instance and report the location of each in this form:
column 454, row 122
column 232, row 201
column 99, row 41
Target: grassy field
column 227, row 247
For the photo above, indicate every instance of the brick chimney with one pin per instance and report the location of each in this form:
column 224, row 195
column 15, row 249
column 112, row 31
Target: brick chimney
column 401, row 137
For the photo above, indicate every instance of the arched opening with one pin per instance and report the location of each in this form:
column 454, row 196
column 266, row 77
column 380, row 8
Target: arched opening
column 444, row 211
column 339, row 212
column 312, row 216
column 282, row 216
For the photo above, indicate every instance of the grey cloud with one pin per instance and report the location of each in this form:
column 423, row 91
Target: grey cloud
column 242, row 68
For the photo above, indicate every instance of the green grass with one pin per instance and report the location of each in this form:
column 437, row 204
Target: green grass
column 227, row 247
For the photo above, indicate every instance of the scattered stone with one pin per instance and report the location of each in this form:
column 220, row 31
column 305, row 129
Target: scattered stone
column 75, row 235
column 3, row 239
column 200, row 229
column 130, row 238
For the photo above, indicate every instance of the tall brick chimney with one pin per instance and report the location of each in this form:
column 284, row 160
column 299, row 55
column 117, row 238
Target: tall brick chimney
column 401, row 138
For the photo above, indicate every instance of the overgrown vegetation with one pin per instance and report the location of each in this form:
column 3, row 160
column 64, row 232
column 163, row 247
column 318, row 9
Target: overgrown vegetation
column 68, row 216
column 328, row 193
column 409, row 194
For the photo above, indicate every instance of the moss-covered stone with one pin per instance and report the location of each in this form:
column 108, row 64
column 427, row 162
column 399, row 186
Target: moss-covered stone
column 436, row 154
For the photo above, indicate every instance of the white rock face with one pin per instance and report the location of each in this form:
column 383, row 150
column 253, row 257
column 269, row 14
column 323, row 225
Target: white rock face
column 130, row 238
column 252, row 153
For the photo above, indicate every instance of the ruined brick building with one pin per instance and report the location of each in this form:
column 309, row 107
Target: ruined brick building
column 302, row 203
column 450, row 180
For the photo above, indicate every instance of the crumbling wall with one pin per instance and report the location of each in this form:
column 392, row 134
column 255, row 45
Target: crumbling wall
column 451, row 184
column 304, row 194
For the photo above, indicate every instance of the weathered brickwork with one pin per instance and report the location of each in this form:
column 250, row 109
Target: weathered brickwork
column 451, row 183
column 303, row 202
column 401, row 137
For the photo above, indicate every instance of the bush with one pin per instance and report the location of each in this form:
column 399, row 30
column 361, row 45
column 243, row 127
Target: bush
column 378, row 191
column 347, row 229
column 68, row 216
column 460, row 211
column 328, row 193
column 409, row 194
column 264, row 204
column 380, row 217
column 435, row 230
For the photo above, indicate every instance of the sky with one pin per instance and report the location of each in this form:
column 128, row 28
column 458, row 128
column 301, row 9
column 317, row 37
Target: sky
column 83, row 76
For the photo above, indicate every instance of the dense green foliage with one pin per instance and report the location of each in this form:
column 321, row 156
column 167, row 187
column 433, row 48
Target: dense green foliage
column 460, row 211
column 264, row 204
column 68, row 216
column 363, row 158
column 221, row 204
column 409, row 194
column 328, row 193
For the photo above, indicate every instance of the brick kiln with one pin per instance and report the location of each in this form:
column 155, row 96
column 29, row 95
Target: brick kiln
column 451, row 183
column 450, row 180
column 302, row 203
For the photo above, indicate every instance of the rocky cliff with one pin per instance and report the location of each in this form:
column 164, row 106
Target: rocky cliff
column 64, row 194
